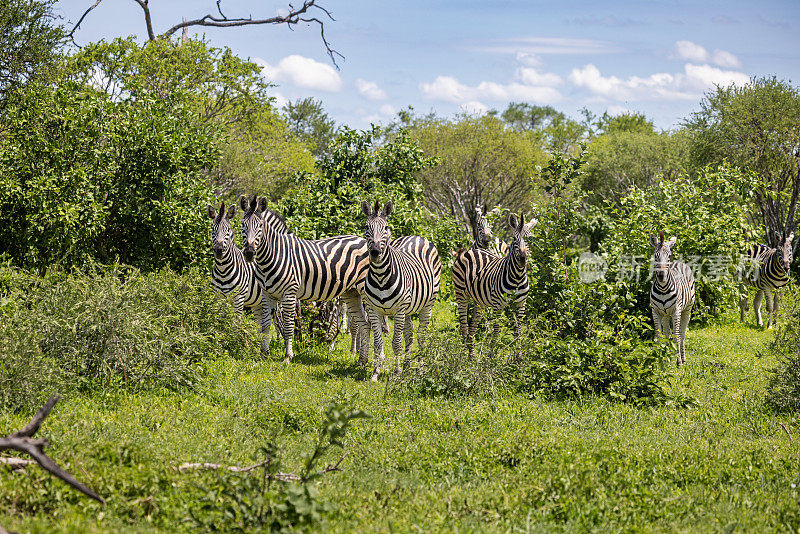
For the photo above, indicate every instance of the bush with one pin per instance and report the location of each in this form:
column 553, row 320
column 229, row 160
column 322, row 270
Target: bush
column 783, row 391
column 111, row 327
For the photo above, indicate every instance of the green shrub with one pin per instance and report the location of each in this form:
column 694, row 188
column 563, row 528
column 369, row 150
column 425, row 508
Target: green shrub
column 112, row 327
column 783, row 391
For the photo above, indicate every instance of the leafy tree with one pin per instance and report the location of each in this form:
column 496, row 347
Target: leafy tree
column 628, row 156
column 555, row 130
column 757, row 128
column 309, row 121
column 29, row 41
column 480, row 162
column 624, row 122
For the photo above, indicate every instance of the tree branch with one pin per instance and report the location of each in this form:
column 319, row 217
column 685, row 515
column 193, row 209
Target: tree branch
column 23, row 441
column 71, row 34
column 146, row 8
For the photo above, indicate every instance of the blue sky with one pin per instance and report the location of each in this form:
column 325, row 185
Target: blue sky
column 648, row 56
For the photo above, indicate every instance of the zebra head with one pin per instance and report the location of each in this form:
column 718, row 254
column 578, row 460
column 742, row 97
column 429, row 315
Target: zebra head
column 518, row 248
column 252, row 224
column 221, row 230
column 378, row 232
column 483, row 232
column 662, row 260
column 785, row 251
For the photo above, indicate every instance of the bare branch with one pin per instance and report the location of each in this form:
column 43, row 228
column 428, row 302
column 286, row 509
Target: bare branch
column 146, row 8
column 71, row 34
column 23, row 441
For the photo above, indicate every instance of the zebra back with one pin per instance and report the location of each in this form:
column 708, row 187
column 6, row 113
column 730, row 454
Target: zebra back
column 769, row 267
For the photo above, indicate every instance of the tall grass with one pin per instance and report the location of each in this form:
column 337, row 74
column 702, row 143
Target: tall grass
column 111, row 327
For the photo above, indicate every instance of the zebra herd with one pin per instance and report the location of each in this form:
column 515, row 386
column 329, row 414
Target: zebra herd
column 379, row 277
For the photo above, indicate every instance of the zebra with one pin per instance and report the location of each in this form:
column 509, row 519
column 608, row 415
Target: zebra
column 484, row 239
column 289, row 268
column 402, row 280
column 672, row 294
column 490, row 280
column 770, row 271
column 232, row 276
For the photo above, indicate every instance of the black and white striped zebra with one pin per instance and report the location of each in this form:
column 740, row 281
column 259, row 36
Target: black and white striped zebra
column 402, row 280
column 769, row 270
column 484, row 239
column 672, row 294
column 231, row 275
column 487, row 280
column 290, row 268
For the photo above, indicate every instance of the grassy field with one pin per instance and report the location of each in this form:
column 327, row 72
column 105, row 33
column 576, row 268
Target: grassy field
column 505, row 463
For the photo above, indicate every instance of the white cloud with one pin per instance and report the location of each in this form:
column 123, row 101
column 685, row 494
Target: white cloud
column 689, row 51
column 531, row 76
column 549, row 45
column 370, row 90
column 449, row 89
column 687, row 85
column 529, row 60
column 725, row 59
column 280, row 100
column 388, row 110
column 473, row 107
column 302, row 72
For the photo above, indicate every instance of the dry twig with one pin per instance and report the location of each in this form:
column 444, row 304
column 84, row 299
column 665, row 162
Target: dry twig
column 23, row 441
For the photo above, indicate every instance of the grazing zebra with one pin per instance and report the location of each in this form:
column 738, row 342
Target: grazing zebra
column 672, row 294
column 770, row 271
column 290, row 268
column 232, row 276
column 490, row 280
column 402, row 280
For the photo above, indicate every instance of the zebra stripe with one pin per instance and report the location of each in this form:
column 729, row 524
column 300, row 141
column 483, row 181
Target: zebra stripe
column 770, row 271
column 232, row 276
column 672, row 294
column 490, row 281
column 402, row 280
column 290, row 268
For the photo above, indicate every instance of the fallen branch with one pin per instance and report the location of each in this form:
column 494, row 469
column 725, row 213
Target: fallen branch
column 283, row 477
column 16, row 463
column 786, row 430
column 23, row 441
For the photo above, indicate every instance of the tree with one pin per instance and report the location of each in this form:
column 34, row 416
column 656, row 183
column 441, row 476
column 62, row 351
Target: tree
column 309, row 121
column 480, row 162
column 295, row 16
column 757, row 128
column 556, row 131
column 29, row 41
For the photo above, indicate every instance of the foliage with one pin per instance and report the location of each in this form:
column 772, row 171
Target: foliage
column 755, row 127
column 308, row 120
column 783, row 390
column 84, row 177
column 479, row 162
column 688, row 208
column 552, row 129
column 621, row 159
column 263, row 498
column 328, row 202
column 110, row 328
column 29, row 43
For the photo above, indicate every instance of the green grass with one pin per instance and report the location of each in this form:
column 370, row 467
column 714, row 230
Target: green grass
column 503, row 463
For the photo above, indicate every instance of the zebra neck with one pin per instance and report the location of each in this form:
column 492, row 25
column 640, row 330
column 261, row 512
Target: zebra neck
column 228, row 258
column 669, row 282
column 269, row 246
column 385, row 268
column 512, row 271
column 777, row 266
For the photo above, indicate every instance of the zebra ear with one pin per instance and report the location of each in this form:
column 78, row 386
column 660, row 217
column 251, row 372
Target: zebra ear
column 221, row 213
column 262, row 204
column 366, row 209
column 512, row 221
column 212, row 212
column 485, row 209
column 232, row 212
column 243, row 203
column 376, row 208
column 661, row 237
column 521, row 222
column 653, row 240
column 388, row 208
column 253, row 204
column 671, row 241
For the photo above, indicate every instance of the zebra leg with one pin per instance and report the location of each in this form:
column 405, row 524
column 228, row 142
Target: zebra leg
column 425, row 315
column 376, row 320
column 463, row 316
column 397, row 338
column 267, row 307
column 656, row 323
column 288, row 309
column 408, row 337
column 775, row 308
column 477, row 312
column 743, row 294
column 686, row 315
column 359, row 323
column 757, row 306
column 676, row 327
column 770, row 308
